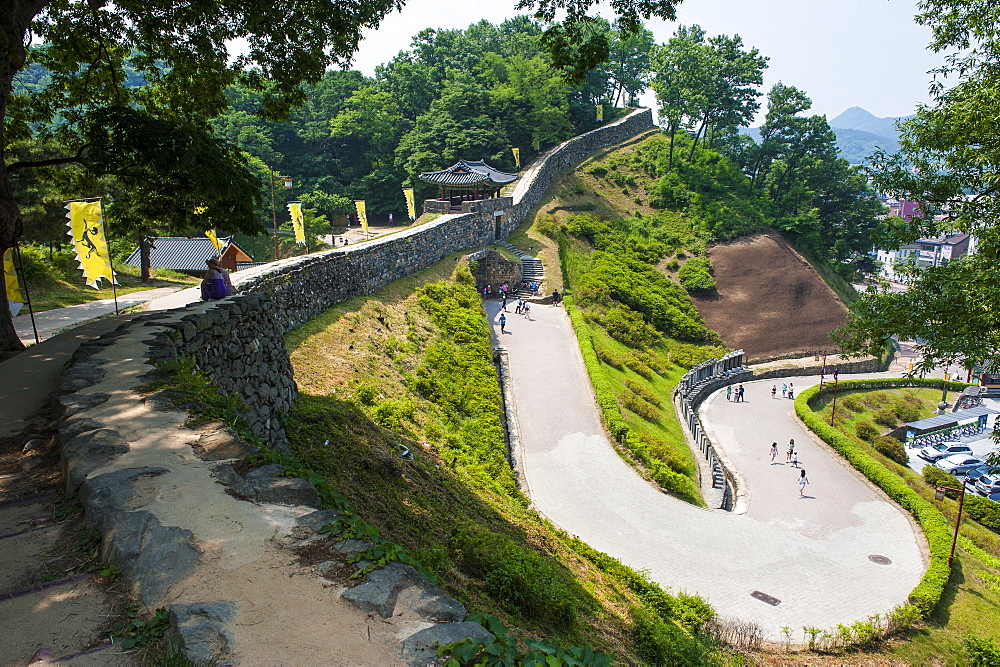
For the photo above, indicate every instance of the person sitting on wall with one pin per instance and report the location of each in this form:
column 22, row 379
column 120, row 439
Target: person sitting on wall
column 213, row 285
column 216, row 264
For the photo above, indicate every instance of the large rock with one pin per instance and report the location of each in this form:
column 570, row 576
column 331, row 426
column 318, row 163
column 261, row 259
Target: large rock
column 89, row 451
column 421, row 648
column 382, row 588
column 200, row 630
column 220, row 445
column 152, row 557
column 65, row 405
column 112, row 492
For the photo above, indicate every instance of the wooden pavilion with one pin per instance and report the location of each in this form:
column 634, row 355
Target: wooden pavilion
column 468, row 180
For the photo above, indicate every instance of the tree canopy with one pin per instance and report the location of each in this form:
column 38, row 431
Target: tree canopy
column 949, row 161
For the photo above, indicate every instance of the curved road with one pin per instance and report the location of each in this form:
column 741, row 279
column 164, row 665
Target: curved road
column 811, row 554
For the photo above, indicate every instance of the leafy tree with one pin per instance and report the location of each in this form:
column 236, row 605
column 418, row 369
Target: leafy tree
column 950, row 162
column 159, row 65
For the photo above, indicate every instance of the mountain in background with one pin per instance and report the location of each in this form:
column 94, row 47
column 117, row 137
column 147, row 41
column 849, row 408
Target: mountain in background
column 859, row 133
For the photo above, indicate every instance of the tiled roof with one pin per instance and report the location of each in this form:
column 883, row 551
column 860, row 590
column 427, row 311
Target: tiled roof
column 468, row 172
column 180, row 253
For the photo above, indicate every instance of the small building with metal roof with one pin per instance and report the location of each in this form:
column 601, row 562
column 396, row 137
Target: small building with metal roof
column 188, row 255
column 944, row 423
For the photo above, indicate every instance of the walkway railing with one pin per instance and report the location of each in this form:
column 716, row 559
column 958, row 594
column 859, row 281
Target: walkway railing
column 692, row 389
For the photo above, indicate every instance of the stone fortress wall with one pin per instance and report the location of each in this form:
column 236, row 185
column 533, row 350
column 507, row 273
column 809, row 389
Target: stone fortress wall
column 125, row 463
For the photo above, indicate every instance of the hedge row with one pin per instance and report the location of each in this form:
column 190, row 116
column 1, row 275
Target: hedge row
column 936, row 528
column 677, row 484
column 893, row 383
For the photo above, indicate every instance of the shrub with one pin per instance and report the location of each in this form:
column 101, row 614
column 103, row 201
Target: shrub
column 905, row 410
column 635, row 363
column 853, row 403
column 867, row 431
column 598, row 171
column 365, row 393
column 892, row 449
column 875, row 400
column 643, row 392
column 672, row 265
column 629, row 327
column 936, row 477
column 610, row 357
column 983, row 510
column 654, row 361
column 686, row 355
column 696, row 275
column 886, row 418
column 661, row 642
column 981, row 651
column 520, row 579
column 640, row 407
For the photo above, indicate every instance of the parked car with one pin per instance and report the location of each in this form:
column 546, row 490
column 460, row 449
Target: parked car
column 958, row 464
column 943, row 449
column 988, row 484
column 972, row 475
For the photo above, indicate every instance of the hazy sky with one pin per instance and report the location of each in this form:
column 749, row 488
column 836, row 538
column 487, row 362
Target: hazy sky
column 842, row 53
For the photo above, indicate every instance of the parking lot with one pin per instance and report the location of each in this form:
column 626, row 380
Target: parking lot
column 981, row 444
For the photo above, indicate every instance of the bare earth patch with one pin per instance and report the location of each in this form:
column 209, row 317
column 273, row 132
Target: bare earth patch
column 770, row 302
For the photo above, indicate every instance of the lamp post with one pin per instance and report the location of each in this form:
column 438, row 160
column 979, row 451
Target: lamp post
column 939, row 495
column 274, row 211
column 943, row 405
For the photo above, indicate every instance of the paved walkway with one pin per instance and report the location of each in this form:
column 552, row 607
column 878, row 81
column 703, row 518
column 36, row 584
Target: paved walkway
column 51, row 322
column 812, row 554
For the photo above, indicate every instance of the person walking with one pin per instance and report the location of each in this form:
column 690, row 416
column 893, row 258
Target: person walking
column 503, row 303
column 774, row 451
column 791, row 389
column 784, row 389
column 774, row 390
column 803, row 480
column 525, row 309
column 739, row 393
column 795, row 459
column 790, row 450
column 503, row 322
column 517, row 308
column 729, row 392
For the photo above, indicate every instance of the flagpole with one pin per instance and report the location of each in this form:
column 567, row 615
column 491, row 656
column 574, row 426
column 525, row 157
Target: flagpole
column 111, row 264
column 27, row 296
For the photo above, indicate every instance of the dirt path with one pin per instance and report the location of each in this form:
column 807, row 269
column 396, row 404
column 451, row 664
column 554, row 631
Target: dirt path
column 784, row 311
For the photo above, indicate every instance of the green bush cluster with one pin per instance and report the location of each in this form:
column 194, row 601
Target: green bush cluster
column 852, row 403
column 621, row 272
column 643, row 393
column 892, row 449
column 526, row 583
column 981, row 651
column 663, row 450
column 696, row 275
column 640, row 407
column 610, row 357
column 907, row 408
column 984, row 511
column 679, row 485
column 633, row 362
column 928, row 592
column 687, row 355
column 886, row 417
column 936, row 477
column 867, row 431
column 629, row 327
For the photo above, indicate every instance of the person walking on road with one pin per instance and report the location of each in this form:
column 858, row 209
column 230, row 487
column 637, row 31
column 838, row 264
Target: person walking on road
column 525, row 309
column 729, row 392
column 774, row 390
column 784, row 389
column 774, row 451
column 803, row 480
column 503, row 322
column 795, row 459
column 791, row 389
column 790, row 450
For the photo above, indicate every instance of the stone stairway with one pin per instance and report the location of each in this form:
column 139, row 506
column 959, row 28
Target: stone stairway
column 531, row 269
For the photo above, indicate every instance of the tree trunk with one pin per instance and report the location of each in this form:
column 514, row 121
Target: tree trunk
column 15, row 17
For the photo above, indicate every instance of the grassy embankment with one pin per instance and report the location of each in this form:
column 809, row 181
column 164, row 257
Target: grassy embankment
column 56, row 282
column 410, row 365
column 970, row 594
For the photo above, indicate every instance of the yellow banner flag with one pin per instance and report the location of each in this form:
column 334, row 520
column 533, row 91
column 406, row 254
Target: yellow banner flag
column 362, row 216
column 600, row 112
column 14, row 298
column 517, row 156
column 211, row 235
column 411, row 204
column 295, row 209
column 86, row 227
